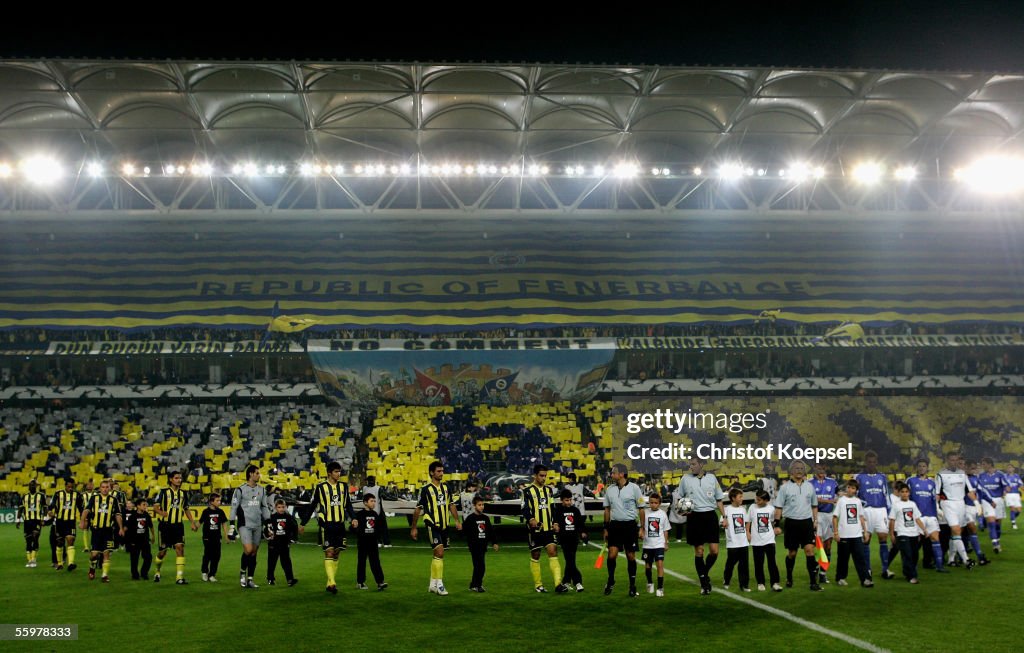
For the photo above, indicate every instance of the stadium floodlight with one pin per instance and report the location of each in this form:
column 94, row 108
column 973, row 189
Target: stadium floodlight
column 394, row 170
column 306, row 169
column 5, row 170
column 730, row 171
column 203, row 169
column 544, row 170
column 251, row 170
column 994, row 175
column 181, row 169
column 698, row 171
column 665, row 172
column 41, row 169
column 655, row 171
column 868, row 172
column 405, row 168
column 146, row 171
column 798, row 172
column 270, row 168
column 819, row 172
column 505, row 170
column 492, row 170
column 169, row 169
column 236, row 169
column 534, row 170
column 470, row 169
column 95, row 169
column 626, row 170
column 281, row 169
column 905, row 173
column 599, row 171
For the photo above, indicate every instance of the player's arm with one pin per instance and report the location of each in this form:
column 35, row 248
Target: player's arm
column 84, row 519
column 456, row 515
column 527, row 509
column 223, row 527
column 420, row 507
column 642, row 513
column 158, row 506
column 118, row 517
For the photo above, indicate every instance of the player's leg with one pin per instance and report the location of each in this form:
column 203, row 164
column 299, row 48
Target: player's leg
column 661, row 576
column 538, row 584
column 860, row 563
column 842, row 561
column 477, row 553
column 759, row 566
column 375, row 567
column 106, row 561
column 286, row 564
column 613, row 554
column 744, row 569
column 272, row 556
column 69, row 551
column 362, row 552
column 437, row 570
column 812, row 566
column 146, row 553
column 556, row 567
column 883, row 552
column 631, row 568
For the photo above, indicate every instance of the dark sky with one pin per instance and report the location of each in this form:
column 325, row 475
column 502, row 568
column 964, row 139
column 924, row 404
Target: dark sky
column 934, row 35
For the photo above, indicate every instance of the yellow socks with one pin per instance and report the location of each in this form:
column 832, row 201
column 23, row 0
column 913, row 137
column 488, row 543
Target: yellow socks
column 179, row 563
column 71, row 555
column 437, row 569
column 535, row 572
column 331, row 567
column 106, row 567
column 556, row 570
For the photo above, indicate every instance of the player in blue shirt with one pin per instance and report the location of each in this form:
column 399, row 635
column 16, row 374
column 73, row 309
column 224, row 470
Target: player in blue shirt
column 994, row 481
column 1013, row 484
column 979, row 508
column 826, row 488
column 874, row 493
column 922, row 492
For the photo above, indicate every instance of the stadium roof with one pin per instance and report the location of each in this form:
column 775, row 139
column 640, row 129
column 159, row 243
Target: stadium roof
column 670, row 118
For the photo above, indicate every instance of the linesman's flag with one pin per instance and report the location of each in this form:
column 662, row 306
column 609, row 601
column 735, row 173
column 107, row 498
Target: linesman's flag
column 599, row 563
column 819, row 553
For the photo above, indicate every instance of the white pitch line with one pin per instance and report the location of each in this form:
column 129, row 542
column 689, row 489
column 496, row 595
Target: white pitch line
column 810, row 625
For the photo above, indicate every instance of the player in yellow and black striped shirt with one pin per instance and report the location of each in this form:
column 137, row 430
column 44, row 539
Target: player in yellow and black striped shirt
column 437, row 506
column 333, row 509
column 171, row 506
column 66, row 507
column 102, row 512
column 32, row 510
column 538, row 504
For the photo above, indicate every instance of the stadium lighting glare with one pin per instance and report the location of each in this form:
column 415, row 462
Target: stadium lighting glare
column 626, row 170
column 251, row 170
column 236, row 169
column 306, row 169
column 798, row 172
column 270, row 169
column 95, row 169
column 169, row 169
column 492, row 170
column 655, row 171
column 534, row 170
column 868, row 173
column 730, row 171
column 905, row 173
column 5, row 170
column 996, row 175
column 505, row 170
column 281, row 169
column 181, row 169
column 146, row 171
column 405, row 168
column 41, row 169
column 698, row 171
column 598, row 171
column 819, row 172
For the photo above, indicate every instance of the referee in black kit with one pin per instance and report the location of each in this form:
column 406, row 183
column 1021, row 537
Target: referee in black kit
column 623, row 503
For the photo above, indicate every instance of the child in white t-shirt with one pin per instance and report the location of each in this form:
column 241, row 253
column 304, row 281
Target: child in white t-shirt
column 736, row 540
column 655, row 533
column 904, row 522
column 850, row 525
column 761, row 531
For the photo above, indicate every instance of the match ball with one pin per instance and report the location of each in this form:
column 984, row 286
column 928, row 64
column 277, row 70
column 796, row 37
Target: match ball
column 684, row 506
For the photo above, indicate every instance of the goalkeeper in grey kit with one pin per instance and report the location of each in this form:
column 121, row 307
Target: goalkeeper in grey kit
column 249, row 510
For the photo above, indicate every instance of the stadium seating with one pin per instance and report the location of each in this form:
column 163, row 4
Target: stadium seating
column 291, row 444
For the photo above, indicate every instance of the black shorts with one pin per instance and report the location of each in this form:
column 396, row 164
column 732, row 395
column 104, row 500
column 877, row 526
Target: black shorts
column 332, row 535
column 171, row 534
column 102, row 539
column 438, row 536
column 702, row 528
column 66, row 528
column 650, row 556
column 540, row 539
column 622, row 535
column 33, row 527
column 798, row 533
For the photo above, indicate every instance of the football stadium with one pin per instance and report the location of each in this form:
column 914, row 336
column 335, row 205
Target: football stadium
column 559, row 351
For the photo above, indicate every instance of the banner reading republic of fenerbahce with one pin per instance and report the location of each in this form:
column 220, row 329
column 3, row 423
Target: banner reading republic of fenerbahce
column 455, row 275
column 519, row 372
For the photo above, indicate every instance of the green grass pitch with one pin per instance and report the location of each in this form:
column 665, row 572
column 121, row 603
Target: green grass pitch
column 962, row 608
